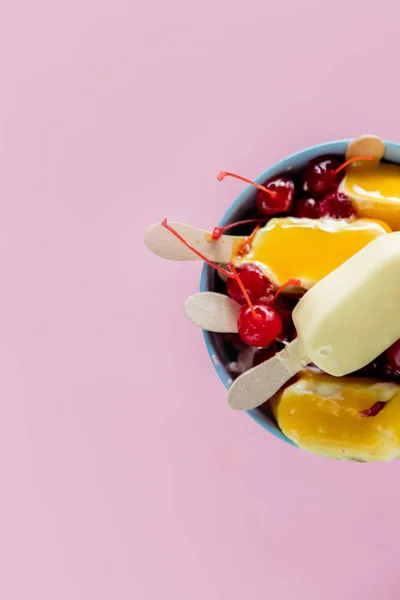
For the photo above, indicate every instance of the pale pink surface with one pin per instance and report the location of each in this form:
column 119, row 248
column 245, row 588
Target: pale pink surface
column 124, row 474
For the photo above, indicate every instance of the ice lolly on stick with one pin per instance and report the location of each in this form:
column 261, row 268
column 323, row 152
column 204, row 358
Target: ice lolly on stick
column 160, row 241
column 286, row 248
column 308, row 249
column 374, row 190
column 373, row 187
column 343, row 323
column 213, row 312
column 329, row 416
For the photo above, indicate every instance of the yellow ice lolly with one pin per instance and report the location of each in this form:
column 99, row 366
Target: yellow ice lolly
column 308, row 249
column 374, row 190
column 324, row 415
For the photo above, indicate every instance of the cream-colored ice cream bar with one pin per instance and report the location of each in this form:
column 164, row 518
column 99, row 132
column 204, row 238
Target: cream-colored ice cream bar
column 353, row 314
column 345, row 321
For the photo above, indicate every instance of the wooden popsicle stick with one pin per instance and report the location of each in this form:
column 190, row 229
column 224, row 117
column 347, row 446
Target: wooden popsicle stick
column 366, row 145
column 163, row 243
column 213, row 312
column 260, row 383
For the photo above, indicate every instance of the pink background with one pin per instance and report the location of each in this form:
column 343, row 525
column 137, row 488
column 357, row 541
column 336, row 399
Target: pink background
column 124, row 476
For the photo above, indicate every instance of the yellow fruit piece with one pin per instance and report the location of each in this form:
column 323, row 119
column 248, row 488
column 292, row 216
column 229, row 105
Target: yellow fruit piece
column 320, row 414
column 308, row 249
column 375, row 192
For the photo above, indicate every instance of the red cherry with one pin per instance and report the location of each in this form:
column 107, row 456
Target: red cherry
column 324, row 173
column 337, row 206
column 259, row 325
column 255, row 283
column 282, row 198
column 393, row 358
column 275, row 196
column 306, row 208
column 320, row 176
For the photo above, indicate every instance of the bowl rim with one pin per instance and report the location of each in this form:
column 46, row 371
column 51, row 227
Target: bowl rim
column 308, row 153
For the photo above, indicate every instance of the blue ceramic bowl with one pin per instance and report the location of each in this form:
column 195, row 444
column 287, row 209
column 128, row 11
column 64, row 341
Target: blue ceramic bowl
column 235, row 212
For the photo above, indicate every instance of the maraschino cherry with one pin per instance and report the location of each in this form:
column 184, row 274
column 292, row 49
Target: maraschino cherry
column 337, row 206
column 306, row 208
column 320, row 176
column 257, row 285
column 275, row 196
column 393, row 358
column 259, row 324
column 282, row 202
column 324, row 173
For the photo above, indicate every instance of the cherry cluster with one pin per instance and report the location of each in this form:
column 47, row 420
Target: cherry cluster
column 319, row 198
column 265, row 317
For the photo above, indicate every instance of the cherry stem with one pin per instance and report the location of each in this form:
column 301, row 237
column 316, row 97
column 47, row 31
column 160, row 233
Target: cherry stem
column 246, row 246
column 244, row 291
column 289, row 283
column 350, row 161
column 218, row 231
column 165, row 224
column 222, row 174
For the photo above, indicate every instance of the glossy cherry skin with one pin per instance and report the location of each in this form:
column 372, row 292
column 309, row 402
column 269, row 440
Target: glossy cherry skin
column 306, row 208
column 261, row 331
column 337, row 206
column 283, row 199
column 257, row 285
column 393, row 358
column 319, row 176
